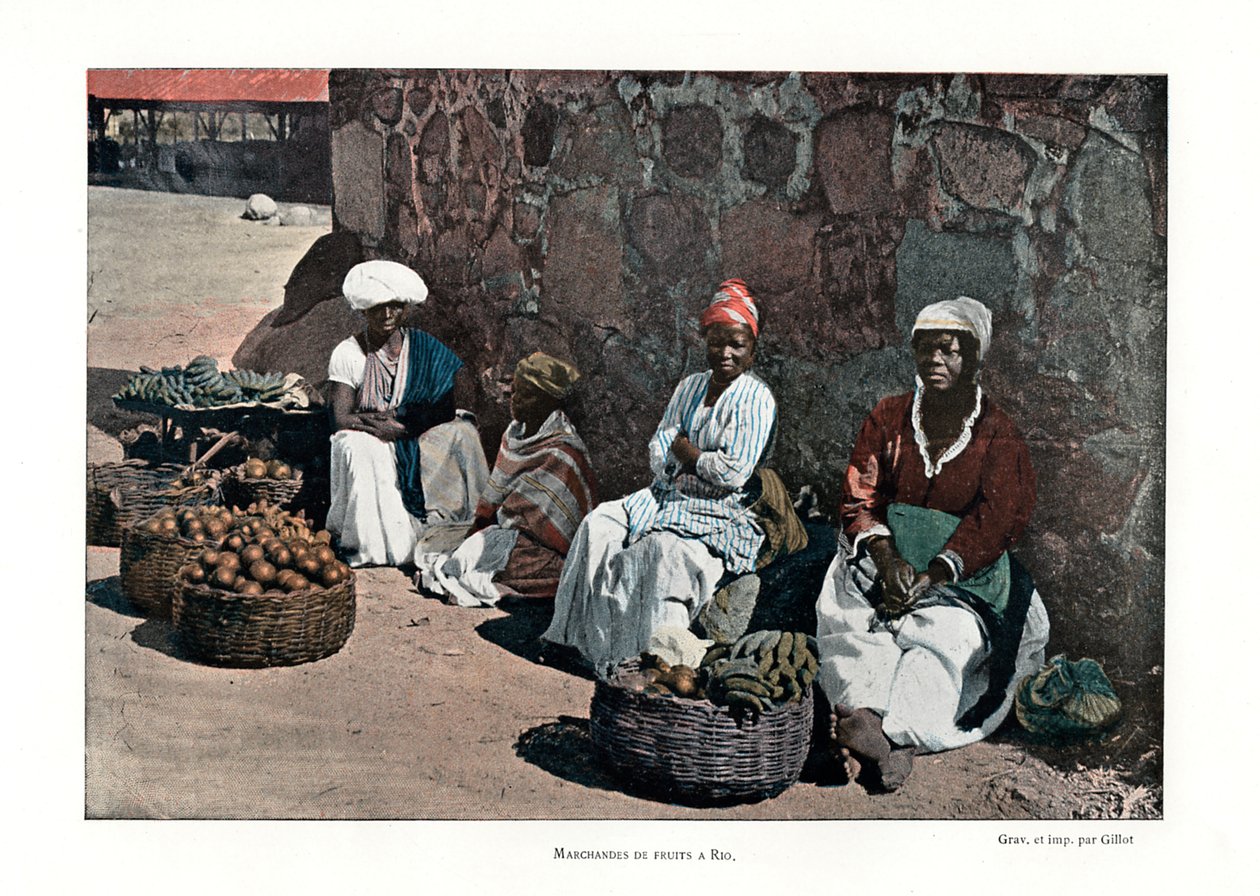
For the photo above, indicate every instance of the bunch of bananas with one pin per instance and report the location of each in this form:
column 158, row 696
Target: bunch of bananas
column 201, row 385
column 760, row 669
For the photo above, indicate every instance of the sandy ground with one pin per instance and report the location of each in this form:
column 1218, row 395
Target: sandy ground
column 429, row 711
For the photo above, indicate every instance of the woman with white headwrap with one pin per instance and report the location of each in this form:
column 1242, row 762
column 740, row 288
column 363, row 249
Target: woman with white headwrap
column 925, row 623
column 650, row 561
column 401, row 456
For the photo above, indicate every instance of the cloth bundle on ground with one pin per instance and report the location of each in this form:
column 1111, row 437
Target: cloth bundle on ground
column 1067, row 699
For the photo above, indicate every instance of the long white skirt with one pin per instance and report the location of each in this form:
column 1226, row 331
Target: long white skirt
column 920, row 672
column 367, row 515
column 611, row 598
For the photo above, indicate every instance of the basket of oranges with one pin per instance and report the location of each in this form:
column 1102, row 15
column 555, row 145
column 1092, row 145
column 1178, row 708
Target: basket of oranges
column 272, row 594
column 154, row 550
column 273, row 481
column 124, row 494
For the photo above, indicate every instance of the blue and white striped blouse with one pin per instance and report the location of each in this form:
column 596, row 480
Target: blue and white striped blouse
column 713, row 504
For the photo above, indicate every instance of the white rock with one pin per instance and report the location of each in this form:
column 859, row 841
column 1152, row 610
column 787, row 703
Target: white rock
column 260, row 207
column 298, row 216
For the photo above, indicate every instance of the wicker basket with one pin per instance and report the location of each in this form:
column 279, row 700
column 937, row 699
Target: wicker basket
column 243, row 491
column 122, row 494
column 148, row 565
column 223, row 628
column 692, row 751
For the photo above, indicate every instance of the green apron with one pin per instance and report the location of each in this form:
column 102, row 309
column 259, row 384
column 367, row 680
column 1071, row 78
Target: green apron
column 920, row 534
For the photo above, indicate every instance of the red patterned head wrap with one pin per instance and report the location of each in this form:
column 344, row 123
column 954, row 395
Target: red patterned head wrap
column 732, row 304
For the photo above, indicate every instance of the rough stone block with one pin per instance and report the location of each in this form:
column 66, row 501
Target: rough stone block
column 1106, row 198
column 936, row 266
column 582, row 277
column 358, row 171
column 983, row 167
column 769, row 152
column 600, row 144
column 768, row 245
column 691, row 138
column 671, row 234
column 387, row 105
column 259, row 207
column 853, row 158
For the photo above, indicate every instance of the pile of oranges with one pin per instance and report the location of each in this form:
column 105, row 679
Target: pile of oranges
column 254, row 551
column 262, row 562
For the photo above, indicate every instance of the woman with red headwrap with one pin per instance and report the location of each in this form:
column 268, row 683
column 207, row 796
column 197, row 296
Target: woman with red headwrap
column 650, row 561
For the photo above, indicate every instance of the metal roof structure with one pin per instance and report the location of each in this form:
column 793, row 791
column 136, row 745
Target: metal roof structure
column 209, row 85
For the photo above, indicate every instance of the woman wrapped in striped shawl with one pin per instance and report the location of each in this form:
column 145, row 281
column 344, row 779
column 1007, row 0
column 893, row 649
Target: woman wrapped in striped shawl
column 541, row 487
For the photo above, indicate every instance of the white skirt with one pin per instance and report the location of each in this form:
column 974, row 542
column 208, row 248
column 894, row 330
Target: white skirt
column 611, row 597
column 367, row 514
column 920, row 672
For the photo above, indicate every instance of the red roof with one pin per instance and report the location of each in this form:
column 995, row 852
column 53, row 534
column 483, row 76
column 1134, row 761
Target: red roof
column 209, row 85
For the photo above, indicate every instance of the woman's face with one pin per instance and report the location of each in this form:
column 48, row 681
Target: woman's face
column 530, row 405
column 384, row 320
column 731, row 349
column 939, row 361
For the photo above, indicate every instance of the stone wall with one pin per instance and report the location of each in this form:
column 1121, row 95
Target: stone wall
column 591, row 214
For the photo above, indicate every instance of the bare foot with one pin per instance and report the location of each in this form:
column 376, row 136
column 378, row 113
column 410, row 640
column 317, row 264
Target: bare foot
column 860, row 733
column 852, row 767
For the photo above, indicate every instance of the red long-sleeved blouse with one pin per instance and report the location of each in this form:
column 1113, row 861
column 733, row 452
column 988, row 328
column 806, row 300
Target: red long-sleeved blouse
column 990, row 483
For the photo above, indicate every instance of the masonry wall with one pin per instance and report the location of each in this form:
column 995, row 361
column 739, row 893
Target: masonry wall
column 592, row 214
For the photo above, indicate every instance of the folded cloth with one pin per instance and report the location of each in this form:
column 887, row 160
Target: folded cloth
column 1067, row 699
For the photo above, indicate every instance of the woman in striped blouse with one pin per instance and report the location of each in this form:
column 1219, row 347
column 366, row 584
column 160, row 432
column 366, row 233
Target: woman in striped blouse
column 651, row 561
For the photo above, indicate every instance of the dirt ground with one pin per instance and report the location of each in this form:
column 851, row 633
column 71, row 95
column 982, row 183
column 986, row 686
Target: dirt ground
column 429, row 711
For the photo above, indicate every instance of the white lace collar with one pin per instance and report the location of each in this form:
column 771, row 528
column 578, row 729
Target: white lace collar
column 920, row 438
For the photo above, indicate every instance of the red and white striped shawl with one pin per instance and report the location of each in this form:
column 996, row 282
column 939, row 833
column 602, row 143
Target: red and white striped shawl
column 543, row 485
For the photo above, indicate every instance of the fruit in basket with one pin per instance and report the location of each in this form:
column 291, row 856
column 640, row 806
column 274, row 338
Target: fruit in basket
column 249, row 587
column 278, row 469
column 192, row 573
column 281, row 555
column 251, row 554
column 223, row 577
column 255, row 468
column 228, row 560
column 296, row 582
column 262, row 572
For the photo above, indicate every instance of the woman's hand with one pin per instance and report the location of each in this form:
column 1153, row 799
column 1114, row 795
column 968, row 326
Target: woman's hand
column 686, row 452
column 896, row 575
column 382, row 424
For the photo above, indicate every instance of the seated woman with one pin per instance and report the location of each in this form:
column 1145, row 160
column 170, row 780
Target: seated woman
column 541, row 487
column 651, row 560
column 401, row 457
column 925, row 623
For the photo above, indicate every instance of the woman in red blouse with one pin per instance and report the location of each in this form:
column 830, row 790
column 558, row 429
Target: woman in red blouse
column 925, row 623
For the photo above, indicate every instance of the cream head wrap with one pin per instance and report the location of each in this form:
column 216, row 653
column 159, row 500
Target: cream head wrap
column 961, row 313
column 378, row 282
column 547, row 374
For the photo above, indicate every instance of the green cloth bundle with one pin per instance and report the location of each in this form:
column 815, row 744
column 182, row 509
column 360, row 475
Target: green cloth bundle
column 1066, row 699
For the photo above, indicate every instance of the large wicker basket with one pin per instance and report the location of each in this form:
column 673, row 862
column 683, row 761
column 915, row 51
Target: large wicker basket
column 148, row 565
column 123, row 494
column 694, row 752
column 223, row 628
column 242, row 491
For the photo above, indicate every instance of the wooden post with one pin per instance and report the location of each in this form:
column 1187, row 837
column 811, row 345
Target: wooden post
column 282, row 118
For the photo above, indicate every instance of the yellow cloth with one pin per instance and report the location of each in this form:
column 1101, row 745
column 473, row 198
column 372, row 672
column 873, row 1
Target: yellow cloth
column 785, row 533
column 547, row 374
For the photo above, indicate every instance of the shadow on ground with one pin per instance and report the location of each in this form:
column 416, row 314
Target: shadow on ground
column 519, row 631
column 155, row 634
column 563, row 748
column 108, row 595
column 102, row 384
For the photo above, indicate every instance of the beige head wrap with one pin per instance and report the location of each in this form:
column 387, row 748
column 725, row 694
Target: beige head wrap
column 378, row 282
column 961, row 313
column 547, row 374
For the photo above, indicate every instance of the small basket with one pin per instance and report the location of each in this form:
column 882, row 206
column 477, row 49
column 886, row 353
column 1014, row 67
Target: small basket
column 148, row 566
column 122, row 494
column 243, row 491
column 223, row 628
column 693, row 751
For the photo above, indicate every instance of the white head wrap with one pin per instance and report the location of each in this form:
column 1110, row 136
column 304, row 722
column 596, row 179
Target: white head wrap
column 373, row 283
column 961, row 313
